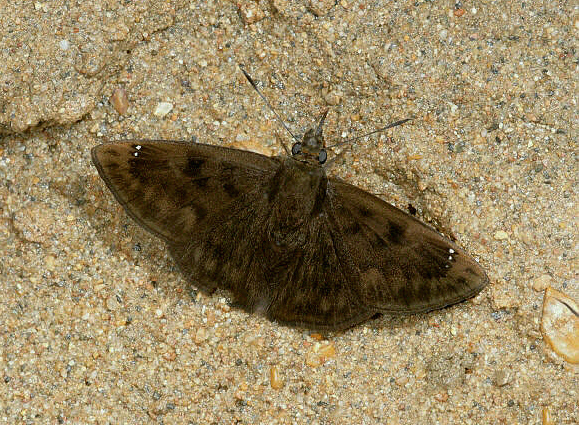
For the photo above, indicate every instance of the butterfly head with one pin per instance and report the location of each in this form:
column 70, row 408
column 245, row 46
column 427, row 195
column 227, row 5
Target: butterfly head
column 312, row 147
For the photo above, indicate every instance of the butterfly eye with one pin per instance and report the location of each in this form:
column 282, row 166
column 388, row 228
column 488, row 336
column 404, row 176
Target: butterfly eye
column 323, row 156
column 296, row 148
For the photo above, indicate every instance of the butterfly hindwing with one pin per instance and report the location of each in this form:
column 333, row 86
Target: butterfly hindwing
column 403, row 266
column 226, row 252
column 315, row 286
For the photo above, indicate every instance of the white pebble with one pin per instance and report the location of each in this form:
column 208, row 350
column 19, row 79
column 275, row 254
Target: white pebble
column 162, row 109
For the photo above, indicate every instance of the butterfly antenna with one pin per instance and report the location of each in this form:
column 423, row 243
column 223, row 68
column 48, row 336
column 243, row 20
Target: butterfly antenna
column 394, row 124
column 319, row 129
column 268, row 104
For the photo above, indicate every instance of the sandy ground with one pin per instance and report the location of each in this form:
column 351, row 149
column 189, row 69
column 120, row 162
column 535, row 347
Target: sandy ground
column 97, row 326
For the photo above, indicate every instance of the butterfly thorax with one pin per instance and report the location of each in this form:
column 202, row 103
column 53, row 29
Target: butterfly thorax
column 296, row 193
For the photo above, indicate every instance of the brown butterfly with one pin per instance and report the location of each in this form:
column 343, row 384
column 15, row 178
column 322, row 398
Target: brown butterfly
column 287, row 241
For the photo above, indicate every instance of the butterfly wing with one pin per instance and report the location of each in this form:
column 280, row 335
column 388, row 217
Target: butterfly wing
column 402, row 265
column 171, row 188
column 315, row 287
column 227, row 252
column 299, row 284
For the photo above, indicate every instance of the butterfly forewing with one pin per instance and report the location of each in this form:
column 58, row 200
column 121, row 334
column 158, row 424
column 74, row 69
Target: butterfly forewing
column 171, row 187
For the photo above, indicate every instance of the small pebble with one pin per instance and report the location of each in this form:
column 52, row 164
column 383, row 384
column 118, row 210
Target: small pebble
column 327, row 350
column 170, row 355
column 50, row 262
column 200, row 335
column 547, row 416
column 402, row 380
column 333, row 97
column 162, row 109
column 320, row 7
column 501, row 378
column 320, row 354
column 560, row 324
column 120, row 101
column 240, row 392
column 501, row 235
column 112, row 303
column 250, row 12
column 541, row 283
column 275, row 378
column 313, row 360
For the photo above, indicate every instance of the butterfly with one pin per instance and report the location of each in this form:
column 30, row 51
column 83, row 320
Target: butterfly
column 288, row 242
